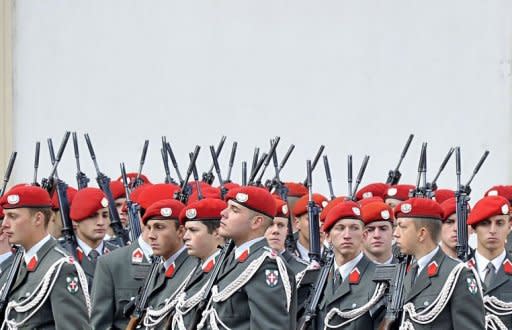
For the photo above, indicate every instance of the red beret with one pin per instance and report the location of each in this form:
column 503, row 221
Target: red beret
column 443, row 194
column 70, row 194
column 372, row 190
column 296, row 189
column 87, row 201
column 207, row 192
column 503, row 191
column 488, row 207
column 301, row 206
column 156, row 192
column 449, row 207
column 137, row 192
column 419, row 208
column 281, row 208
column 205, row 209
column 254, row 198
column 346, row 210
column 377, row 211
column 202, row 184
column 163, row 209
column 330, row 205
column 117, row 189
column 399, row 191
column 25, row 196
column 365, row 201
column 230, row 185
column 132, row 176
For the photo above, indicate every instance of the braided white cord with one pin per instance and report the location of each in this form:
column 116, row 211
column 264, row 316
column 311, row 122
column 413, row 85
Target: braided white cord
column 497, row 306
column 154, row 316
column 314, row 265
column 493, row 322
column 36, row 300
column 356, row 313
column 430, row 313
column 184, row 306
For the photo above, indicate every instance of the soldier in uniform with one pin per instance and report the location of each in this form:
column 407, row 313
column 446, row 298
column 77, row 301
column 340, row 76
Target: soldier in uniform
column 90, row 217
column 397, row 193
column 449, row 228
column 505, row 192
column 378, row 232
column 440, row 293
column 377, row 189
column 119, row 195
column 255, row 289
column 63, row 302
column 350, row 296
column 117, row 280
column 166, row 239
column 490, row 218
column 201, row 220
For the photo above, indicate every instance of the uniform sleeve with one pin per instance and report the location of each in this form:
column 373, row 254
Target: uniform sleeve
column 267, row 301
column 102, row 296
column 68, row 301
column 467, row 307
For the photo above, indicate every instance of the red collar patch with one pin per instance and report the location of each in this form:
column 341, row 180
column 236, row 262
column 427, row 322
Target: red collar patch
column 169, row 273
column 471, row 263
column 507, row 266
column 432, row 269
column 32, row 264
column 243, row 256
column 209, row 266
column 355, row 276
column 79, row 254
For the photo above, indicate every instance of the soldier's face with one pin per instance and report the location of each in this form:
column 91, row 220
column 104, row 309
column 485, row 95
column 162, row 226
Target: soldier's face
column 405, row 235
column 18, row 225
column 392, row 202
column 378, row 237
column 346, row 237
column 94, row 228
column 119, row 206
column 449, row 232
column 236, row 222
column 165, row 237
column 492, row 233
column 198, row 241
column 276, row 234
column 303, row 226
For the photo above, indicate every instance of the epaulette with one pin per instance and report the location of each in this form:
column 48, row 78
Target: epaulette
column 65, row 254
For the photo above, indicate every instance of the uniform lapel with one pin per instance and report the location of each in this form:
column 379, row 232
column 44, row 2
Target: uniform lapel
column 500, row 279
column 232, row 263
column 423, row 280
column 346, row 286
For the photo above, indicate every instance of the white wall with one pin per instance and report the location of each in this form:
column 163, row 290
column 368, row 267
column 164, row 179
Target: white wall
column 358, row 76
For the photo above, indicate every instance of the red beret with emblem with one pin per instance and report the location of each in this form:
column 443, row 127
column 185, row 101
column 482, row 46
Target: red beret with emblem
column 419, row 208
column 399, row 191
column 132, row 176
column 377, row 211
column 25, row 196
column 503, row 191
column 443, row 194
column 296, row 189
column 70, row 194
column 204, row 209
column 488, row 207
column 87, row 201
column 281, row 208
column 254, row 198
column 137, row 192
column 449, row 207
column 154, row 193
column 373, row 189
column 301, row 207
column 365, row 201
column 206, row 192
column 346, row 210
column 117, row 189
column 163, row 209
column 330, row 205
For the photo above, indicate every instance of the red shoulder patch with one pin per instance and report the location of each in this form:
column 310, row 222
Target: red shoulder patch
column 354, row 276
column 79, row 254
column 432, row 269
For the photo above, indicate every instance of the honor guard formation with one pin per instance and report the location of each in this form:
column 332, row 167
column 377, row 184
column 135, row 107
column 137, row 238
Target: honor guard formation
column 208, row 253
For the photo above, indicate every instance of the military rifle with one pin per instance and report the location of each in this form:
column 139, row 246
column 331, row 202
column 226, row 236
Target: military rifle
column 244, row 173
column 315, row 161
column 132, row 208
column 349, row 175
column 231, row 161
column 138, row 181
column 184, row 192
column 81, row 179
column 359, row 177
column 420, row 190
column 173, row 161
column 223, row 189
column 432, row 186
column 208, row 177
column 8, row 171
column 36, row 164
column 272, row 151
column 255, row 159
column 395, row 175
column 196, row 179
column 48, row 183
column 257, row 169
column 328, row 176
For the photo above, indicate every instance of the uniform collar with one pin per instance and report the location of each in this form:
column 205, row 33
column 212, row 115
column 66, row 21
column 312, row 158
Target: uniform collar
column 206, row 265
column 481, row 261
column 347, row 267
column 246, row 246
column 387, row 262
column 303, row 252
column 172, row 259
column 34, row 249
column 146, row 248
column 87, row 249
column 423, row 261
column 5, row 256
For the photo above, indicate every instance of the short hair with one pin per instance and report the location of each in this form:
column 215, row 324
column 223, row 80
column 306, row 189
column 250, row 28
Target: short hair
column 46, row 211
column 432, row 225
column 267, row 220
column 211, row 225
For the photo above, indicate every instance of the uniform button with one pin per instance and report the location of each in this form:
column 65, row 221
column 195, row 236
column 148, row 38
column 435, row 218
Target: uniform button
column 354, row 305
column 425, row 303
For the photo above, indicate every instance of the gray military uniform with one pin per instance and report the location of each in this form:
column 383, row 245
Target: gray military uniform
column 465, row 308
column 65, row 307
column 88, row 266
column 117, row 279
column 348, row 296
column 261, row 302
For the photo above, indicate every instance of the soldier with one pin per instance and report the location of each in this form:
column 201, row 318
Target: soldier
column 377, row 189
column 350, row 297
column 119, row 195
column 440, row 293
column 117, row 280
column 300, row 212
column 255, row 289
column 166, row 239
column 505, row 192
column 201, row 220
column 490, row 218
column 90, row 218
column 449, row 228
column 55, row 224
column 398, row 193
column 50, row 290
column 378, row 232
